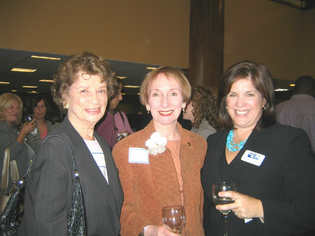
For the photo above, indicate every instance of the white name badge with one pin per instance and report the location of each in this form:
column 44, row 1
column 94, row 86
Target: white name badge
column 138, row 155
column 253, row 157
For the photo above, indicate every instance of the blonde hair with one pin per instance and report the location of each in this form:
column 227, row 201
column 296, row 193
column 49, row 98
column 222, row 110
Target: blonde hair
column 177, row 74
column 6, row 101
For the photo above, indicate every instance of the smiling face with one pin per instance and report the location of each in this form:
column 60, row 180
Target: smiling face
column 11, row 114
column 40, row 110
column 244, row 104
column 165, row 100
column 87, row 101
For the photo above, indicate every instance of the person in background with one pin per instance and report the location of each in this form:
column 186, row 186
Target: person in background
column 11, row 107
column 114, row 125
column 271, row 164
column 40, row 109
column 202, row 111
column 299, row 111
column 122, row 126
column 81, row 86
column 154, row 177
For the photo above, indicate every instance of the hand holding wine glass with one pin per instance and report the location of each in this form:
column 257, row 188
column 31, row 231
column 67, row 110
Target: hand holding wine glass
column 174, row 218
column 219, row 187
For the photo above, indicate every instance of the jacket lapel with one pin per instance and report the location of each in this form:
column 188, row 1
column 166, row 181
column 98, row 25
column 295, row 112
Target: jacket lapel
column 254, row 143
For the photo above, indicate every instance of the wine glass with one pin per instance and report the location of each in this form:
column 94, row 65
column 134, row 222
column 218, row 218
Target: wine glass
column 174, row 218
column 219, row 187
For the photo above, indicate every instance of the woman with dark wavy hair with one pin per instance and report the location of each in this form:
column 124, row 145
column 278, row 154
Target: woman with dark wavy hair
column 271, row 164
column 202, row 111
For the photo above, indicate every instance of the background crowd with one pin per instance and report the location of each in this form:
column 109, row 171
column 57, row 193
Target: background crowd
column 238, row 134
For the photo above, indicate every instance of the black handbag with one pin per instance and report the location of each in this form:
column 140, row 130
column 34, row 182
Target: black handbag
column 11, row 217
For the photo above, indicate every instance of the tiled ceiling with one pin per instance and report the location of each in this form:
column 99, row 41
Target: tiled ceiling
column 135, row 72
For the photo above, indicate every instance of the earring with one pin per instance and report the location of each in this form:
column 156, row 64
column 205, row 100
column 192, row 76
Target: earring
column 183, row 109
column 65, row 105
column 264, row 108
column 148, row 111
column 226, row 107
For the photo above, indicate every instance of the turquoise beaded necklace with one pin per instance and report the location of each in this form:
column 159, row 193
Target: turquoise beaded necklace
column 233, row 147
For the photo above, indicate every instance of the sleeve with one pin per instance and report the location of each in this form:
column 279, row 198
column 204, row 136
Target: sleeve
column 126, row 122
column 295, row 213
column 131, row 219
column 48, row 192
column 6, row 141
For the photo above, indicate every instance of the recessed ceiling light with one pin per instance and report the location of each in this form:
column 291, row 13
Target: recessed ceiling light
column 121, row 77
column 292, row 85
column 32, row 92
column 14, row 91
column 23, row 70
column 281, row 90
column 131, row 86
column 3, row 82
column 46, row 80
column 151, row 68
column 46, row 58
column 29, row 86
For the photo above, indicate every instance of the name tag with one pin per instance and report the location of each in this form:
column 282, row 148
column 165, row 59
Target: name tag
column 253, row 157
column 138, row 155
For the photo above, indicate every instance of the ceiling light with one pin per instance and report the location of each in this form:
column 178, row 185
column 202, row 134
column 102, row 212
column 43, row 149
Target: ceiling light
column 46, row 58
column 23, row 70
column 46, row 80
column 32, row 92
column 28, row 86
column 281, row 90
column 292, row 85
column 131, row 86
column 3, row 82
column 13, row 90
column 151, row 68
column 121, row 77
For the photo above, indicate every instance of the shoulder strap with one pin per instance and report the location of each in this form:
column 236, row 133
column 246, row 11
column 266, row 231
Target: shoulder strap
column 5, row 169
column 76, row 171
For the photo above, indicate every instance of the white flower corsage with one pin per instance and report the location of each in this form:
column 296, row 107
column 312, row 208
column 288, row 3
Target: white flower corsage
column 156, row 144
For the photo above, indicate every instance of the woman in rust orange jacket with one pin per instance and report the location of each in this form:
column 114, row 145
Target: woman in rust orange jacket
column 166, row 169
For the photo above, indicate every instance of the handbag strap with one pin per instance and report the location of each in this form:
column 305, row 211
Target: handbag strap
column 76, row 171
column 5, row 169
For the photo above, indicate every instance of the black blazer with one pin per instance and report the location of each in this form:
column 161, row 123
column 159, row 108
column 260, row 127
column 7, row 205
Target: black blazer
column 50, row 186
column 285, row 182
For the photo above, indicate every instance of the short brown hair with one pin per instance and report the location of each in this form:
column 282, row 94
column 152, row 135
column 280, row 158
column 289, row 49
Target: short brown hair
column 6, row 101
column 177, row 74
column 68, row 73
column 262, row 80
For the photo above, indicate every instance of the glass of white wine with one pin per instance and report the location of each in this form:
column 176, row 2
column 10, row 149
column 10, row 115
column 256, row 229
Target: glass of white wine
column 219, row 187
column 174, row 218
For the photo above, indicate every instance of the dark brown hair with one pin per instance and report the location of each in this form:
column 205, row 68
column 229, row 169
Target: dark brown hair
column 262, row 81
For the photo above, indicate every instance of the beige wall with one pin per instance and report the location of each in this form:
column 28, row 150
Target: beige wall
column 143, row 31
column 157, row 31
column 276, row 35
